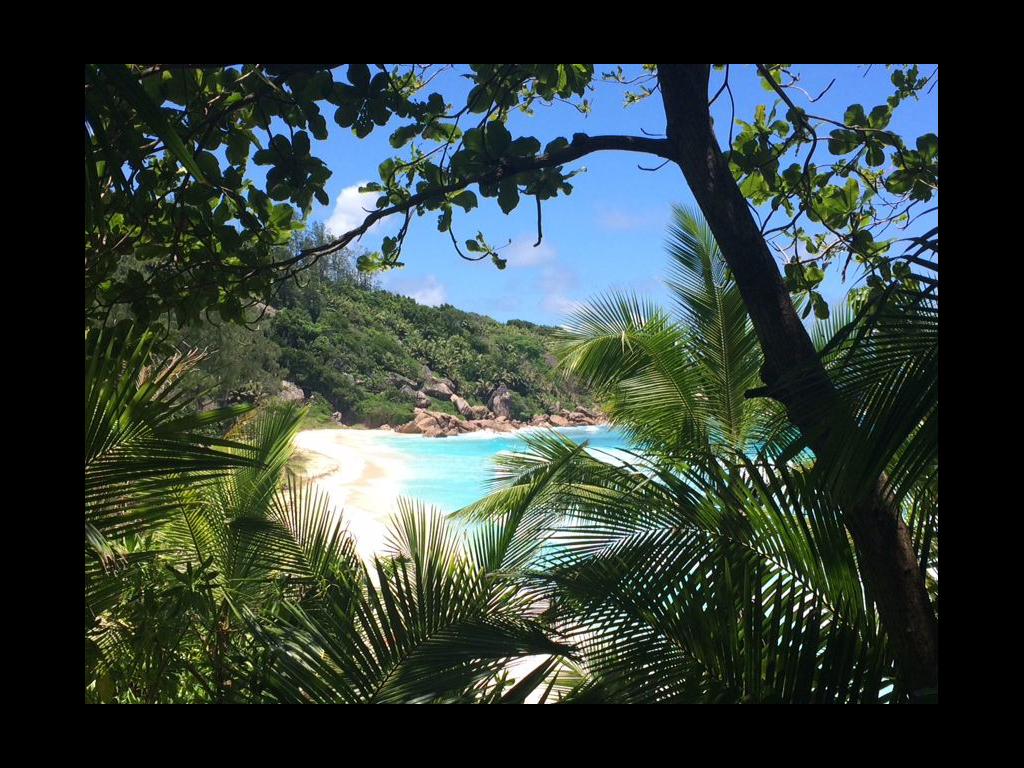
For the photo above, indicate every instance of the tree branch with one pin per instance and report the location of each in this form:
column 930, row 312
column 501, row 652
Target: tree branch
column 580, row 146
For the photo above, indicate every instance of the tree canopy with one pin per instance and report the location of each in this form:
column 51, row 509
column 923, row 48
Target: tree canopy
column 175, row 222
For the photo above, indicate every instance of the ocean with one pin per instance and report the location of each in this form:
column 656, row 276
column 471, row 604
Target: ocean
column 451, row 472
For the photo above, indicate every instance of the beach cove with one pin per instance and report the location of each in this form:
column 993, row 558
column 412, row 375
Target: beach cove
column 365, row 471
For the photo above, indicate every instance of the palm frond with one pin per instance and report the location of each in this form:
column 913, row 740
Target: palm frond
column 884, row 364
column 260, row 525
column 720, row 337
column 429, row 625
column 716, row 582
column 625, row 348
column 139, row 443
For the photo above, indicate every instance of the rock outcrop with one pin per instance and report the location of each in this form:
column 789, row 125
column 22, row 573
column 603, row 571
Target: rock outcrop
column 435, row 424
column 421, row 398
column 500, row 402
column 436, row 386
column 400, row 381
column 439, row 387
column 438, row 424
column 470, row 412
column 462, row 406
column 291, row 393
column 495, row 425
column 580, row 417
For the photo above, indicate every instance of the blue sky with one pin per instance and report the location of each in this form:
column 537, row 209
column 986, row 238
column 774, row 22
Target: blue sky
column 610, row 232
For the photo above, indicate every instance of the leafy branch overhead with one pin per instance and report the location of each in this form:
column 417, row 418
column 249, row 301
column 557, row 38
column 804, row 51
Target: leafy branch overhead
column 884, row 180
column 175, row 222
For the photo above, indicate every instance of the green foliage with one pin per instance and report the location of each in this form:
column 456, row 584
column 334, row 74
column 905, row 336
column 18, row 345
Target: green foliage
column 243, row 364
column 376, row 410
column 712, row 568
column 885, row 366
column 141, row 437
column 167, row 150
column 695, row 583
column 869, row 187
column 318, row 413
column 241, row 585
column 436, row 624
column 335, row 334
column 175, row 225
column 521, row 407
column 444, row 406
column 356, row 346
column 715, row 568
column 674, row 381
column 694, row 573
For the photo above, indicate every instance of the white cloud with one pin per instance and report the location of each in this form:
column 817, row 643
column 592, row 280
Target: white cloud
column 430, row 291
column 522, row 253
column 554, row 283
column 432, row 294
column 562, row 305
column 557, row 278
column 616, row 220
column 351, row 208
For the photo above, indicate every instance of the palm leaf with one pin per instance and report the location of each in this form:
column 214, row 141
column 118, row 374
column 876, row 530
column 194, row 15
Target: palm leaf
column 139, row 442
column 428, row 625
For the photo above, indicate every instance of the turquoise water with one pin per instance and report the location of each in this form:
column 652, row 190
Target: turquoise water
column 452, row 472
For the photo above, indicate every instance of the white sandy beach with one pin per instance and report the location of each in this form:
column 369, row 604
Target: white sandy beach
column 362, row 477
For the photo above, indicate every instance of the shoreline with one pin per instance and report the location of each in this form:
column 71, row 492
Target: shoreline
column 363, row 476
column 484, row 433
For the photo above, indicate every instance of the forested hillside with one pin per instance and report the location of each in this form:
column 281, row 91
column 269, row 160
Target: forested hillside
column 365, row 352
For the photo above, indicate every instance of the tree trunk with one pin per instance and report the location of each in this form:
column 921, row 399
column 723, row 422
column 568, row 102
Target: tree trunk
column 795, row 376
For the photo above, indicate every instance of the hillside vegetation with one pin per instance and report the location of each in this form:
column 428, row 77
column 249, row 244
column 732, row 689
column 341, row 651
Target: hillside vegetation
column 365, row 352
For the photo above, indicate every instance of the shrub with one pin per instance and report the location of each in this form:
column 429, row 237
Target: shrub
column 376, row 410
column 318, row 412
column 522, row 408
column 444, row 406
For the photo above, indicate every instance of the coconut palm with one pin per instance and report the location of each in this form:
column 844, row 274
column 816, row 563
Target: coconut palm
column 713, row 564
column 674, row 381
